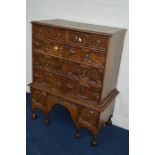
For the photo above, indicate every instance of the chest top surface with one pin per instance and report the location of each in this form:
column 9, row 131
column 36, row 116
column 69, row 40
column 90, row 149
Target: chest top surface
column 91, row 28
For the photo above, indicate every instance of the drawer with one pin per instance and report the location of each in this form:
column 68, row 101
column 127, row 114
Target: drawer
column 42, row 31
column 59, row 34
column 92, row 57
column 88, row 116
column 42, row 77
column 49, row 63
column 99, row 42
column 49, row 32
column 42, row 45
column 81, row 91
column 38, row 98
column 88, row 93
column 86, row 73
column 65, row 51
column 42, row 61
column 79, row 38
column 60, row 65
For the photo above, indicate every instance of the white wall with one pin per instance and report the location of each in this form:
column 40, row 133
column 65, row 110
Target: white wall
column 102, row 12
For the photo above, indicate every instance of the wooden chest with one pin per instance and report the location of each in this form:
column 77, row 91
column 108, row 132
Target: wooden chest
column 76, row 65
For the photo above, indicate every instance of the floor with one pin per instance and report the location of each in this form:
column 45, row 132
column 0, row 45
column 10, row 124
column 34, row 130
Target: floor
column 58, row 138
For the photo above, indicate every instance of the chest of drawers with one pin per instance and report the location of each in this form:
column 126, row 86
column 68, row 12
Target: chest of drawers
column 76, row 65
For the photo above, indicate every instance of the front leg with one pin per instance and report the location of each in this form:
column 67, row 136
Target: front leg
column 94, row 141
column 34, row 115
column 46, row 120
column 77, row 134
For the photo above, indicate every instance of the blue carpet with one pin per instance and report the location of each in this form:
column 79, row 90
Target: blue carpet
column 58, row 137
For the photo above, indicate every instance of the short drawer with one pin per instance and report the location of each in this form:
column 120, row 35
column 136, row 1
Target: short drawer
column 49, row 32
column 79, row 38
column 88, row 116
column 42, row 31
column 99, row 42
column 59, row 34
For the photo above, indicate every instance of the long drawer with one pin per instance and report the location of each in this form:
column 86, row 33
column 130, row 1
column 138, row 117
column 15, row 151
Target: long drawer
column 76, row 53
column 67, row 86
column 76, row 70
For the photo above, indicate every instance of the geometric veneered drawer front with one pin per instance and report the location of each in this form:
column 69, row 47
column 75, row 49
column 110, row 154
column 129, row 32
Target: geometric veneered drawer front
column 86, row 73
column 59, row 34
column 99, row 42
column 79, row 38
column 49, row 33
column 88, row 116
column 87, row 56
column 42, row 31
column 81, row 90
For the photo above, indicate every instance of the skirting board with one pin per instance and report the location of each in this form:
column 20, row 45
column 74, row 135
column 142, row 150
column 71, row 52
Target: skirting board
column 116, row 119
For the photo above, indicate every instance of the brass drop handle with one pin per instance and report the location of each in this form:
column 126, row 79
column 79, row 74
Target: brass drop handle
column 58, row 36
column 47, row 64
column 98, row 42
column 80, row 40
column 83, row 73
column 91, row 112
column 87, row 58
column 82, row 91
column 76, row 38
column 88, row 116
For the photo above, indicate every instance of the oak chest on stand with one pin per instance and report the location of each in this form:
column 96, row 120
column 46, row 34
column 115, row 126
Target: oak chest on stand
column 76, row 65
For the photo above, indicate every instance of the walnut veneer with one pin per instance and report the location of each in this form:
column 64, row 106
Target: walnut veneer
column 76, row 65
